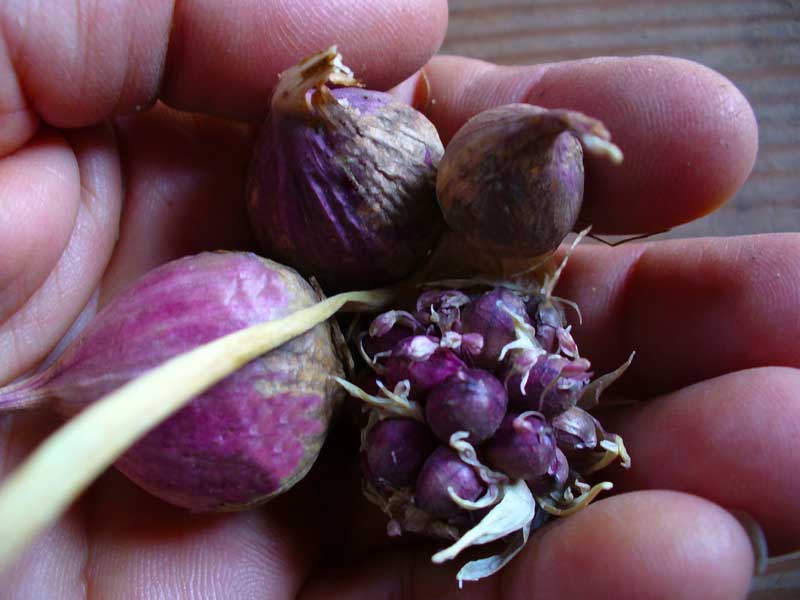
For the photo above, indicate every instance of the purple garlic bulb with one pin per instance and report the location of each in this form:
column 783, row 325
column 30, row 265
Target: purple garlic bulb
column 488, row 316
column 396, row 450
column 471, row 400
column 523, row 447
column 511, row 179
column 553, row 385
column 342, row 182
column 445, row 469
column 246, row 439
column 423, row 362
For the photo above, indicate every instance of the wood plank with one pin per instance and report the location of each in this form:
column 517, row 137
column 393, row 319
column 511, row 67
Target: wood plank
column 755, row 43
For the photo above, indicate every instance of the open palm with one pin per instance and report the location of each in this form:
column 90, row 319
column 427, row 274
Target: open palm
column 102, row 178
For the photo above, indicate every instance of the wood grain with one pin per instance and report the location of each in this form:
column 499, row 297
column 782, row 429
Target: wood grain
column 755, row 43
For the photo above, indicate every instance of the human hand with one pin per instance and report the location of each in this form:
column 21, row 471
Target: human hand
column 689, row 139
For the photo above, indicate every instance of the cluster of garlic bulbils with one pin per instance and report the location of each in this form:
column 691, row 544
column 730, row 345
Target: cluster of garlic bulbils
column 477, row 426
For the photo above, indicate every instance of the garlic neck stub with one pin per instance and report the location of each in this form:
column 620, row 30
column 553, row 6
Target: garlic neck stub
column 342, row 182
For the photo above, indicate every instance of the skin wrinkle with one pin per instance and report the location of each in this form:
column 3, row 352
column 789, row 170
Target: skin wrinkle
column 122, row 88
column 171, row 46
column 57, row 281
column 13, row 57
column 626, row 335
column 82, row 29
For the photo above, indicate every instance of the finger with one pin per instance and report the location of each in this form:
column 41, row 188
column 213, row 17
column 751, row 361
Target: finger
column 39, row 199
column 60, row 245
column 638, row 545
column 384, row 42
column 77, row 63
column 51, row 566
column 691, row 309
column 184, row 184
column 141, row 548
column 732, row 440
column 688, row 135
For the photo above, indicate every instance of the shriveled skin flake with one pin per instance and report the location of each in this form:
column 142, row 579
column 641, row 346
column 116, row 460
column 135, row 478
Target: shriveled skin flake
column 591, row 395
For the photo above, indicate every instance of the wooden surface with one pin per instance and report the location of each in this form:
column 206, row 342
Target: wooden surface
column 755, row 43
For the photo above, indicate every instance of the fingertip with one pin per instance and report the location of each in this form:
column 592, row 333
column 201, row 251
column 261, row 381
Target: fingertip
column 39, row 201
column 656, row 544
column 758, row 408
column 690, row 137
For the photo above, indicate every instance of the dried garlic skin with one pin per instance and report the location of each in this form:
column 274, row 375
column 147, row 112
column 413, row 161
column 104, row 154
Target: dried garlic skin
column 342, row 183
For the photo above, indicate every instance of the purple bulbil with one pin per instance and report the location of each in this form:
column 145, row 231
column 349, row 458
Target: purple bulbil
column 522, row 448
column 445, row 469
column 554, row 384
column 421, row 361
column 396, row 450
column 472, row 400
column 547, row 318
column 488, row 316
column 576, row 430
column 441, row 309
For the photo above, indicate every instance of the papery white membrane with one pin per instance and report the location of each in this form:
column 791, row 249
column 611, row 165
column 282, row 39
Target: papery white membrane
column 420, row 348
column 451, row 340
column 513, row 513
column 484, row 567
